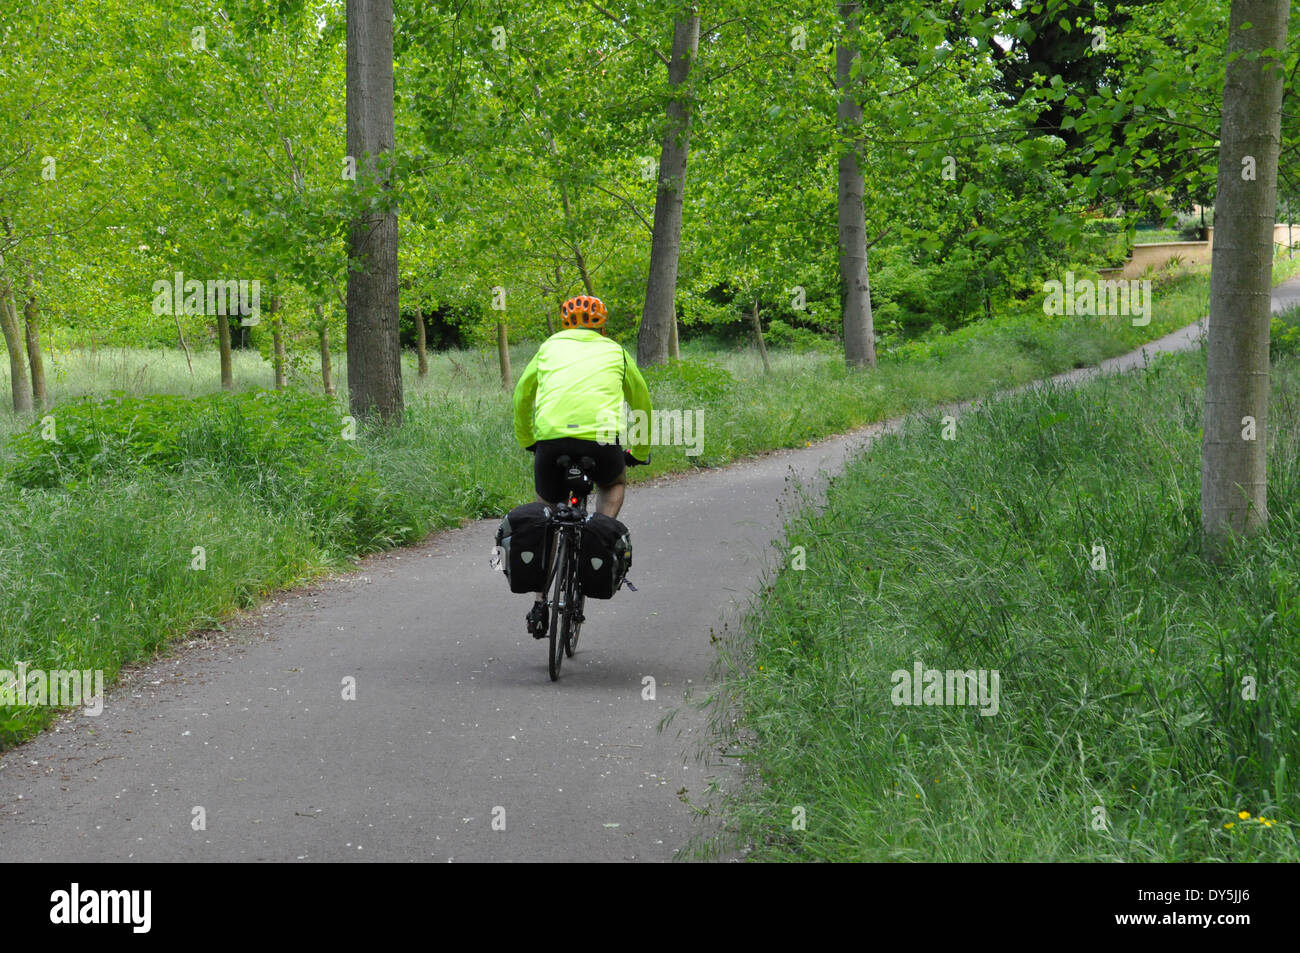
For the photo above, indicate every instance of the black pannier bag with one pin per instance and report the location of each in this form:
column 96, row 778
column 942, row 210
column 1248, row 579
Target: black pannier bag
column 606, row 556
column 525, row 539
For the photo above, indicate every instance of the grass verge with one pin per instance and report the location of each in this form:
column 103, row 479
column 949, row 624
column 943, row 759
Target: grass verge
column 1147, row 706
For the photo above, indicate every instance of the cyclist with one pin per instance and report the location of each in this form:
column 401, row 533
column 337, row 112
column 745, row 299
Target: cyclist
column 570, row 401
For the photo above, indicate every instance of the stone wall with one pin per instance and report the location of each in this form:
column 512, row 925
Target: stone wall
column 1158, row 254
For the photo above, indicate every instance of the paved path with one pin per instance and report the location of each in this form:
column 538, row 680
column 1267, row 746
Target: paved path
column 454, row 716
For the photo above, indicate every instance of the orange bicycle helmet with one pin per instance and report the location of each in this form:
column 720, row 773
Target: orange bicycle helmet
column 584, row 311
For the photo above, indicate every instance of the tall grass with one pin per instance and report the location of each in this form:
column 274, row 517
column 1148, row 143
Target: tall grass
column 1126, row 728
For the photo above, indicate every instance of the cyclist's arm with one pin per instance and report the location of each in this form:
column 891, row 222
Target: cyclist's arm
column 638, row 397
column 525, row 392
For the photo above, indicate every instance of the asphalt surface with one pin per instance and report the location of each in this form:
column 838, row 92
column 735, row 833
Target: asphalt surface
column 457, row 746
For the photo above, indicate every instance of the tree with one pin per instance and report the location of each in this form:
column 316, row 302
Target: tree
column 660, row 313
column 855, row 284
column 1233, row 462
column 61, row 174
column 19, row 384
column 374, row 349
column 275, row 58
column 1144, row 133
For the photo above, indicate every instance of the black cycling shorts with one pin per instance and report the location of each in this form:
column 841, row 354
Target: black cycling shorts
column 548, row 478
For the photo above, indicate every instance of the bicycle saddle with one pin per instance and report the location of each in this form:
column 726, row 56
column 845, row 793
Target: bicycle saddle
column 577, row 476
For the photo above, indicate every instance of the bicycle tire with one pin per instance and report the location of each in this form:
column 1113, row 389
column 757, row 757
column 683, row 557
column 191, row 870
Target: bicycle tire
column 555, row 657
column 580, row 601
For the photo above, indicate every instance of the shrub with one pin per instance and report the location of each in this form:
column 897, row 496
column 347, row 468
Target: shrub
column 1284, row 333
column 286, row 449
column 693, row 381
column 799, row 340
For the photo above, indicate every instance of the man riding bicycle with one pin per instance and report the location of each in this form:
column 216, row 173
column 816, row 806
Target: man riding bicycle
column 565, row 402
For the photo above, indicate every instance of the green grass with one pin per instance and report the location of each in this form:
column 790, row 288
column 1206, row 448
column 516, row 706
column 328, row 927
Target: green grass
column 95, row 566
column 1121, row 688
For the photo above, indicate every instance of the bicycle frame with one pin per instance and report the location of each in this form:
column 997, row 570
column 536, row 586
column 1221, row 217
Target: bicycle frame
column 563, row 592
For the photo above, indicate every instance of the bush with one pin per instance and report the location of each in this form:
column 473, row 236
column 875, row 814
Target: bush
column 286, row 449
column 799, row 340
column 1104, row 226
column 692, row 381
column 1284, row 333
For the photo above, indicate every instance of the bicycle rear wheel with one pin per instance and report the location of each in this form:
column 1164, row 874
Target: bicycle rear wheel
column 559, row 630
column 579, row 602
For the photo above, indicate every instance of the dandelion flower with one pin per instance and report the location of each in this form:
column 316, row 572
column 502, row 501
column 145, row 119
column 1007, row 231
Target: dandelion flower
column 1244, row 815
column 1228, row 826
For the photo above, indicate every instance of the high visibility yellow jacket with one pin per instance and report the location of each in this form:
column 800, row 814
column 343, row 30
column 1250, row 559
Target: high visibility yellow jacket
column 575, row 387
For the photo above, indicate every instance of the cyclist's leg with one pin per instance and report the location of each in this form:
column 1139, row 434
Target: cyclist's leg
column 609, row 498
column 610, row 476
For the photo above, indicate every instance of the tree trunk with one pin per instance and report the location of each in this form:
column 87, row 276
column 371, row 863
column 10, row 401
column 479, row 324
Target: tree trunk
column 661, row 287
column 581, row 261
column 421, row 347
column 559, row 303
column 19, row 385
column 223, row 346
column 1233, row 474
column 855, row 286
column 503, row 355
column 674, row 346
column 277, row 338
column 758, row 336
column 180, row 336
column 373, row 346
column 326, row 375
column 277, row 342
column 32, row 327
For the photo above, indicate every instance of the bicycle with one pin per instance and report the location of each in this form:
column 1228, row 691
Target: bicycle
column 567, row 601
